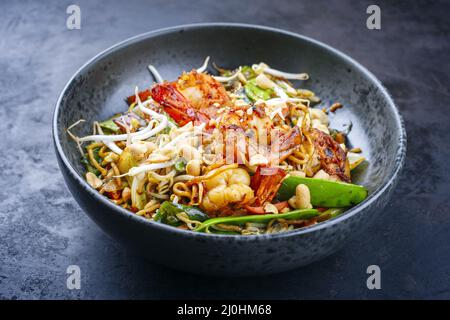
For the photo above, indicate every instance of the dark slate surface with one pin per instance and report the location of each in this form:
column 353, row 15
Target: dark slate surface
column 42, row 229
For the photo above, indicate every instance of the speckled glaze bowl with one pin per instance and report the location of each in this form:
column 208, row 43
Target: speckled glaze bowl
column 97, row 91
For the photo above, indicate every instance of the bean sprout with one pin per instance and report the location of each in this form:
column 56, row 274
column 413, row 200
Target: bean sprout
column 155, row 73
column 204, row 66
column 279, row 74
column 228, row 79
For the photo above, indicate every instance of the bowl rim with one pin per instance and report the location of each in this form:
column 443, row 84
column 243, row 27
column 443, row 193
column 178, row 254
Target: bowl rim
column 400, row 155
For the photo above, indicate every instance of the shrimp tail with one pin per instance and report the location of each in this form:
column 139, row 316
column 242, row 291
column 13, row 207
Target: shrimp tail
column 176, row 105
column 266, row 182
column 143, row 95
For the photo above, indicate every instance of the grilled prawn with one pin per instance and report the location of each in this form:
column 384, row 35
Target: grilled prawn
column 331, row 156
column 193, row 97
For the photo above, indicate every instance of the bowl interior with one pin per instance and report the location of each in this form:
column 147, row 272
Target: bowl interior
column 99, row 89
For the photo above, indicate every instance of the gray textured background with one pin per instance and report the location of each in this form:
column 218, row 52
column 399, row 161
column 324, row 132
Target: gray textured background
column 42, row 229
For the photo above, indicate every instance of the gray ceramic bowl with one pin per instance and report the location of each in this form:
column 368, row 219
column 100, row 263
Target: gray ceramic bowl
column 98, row 89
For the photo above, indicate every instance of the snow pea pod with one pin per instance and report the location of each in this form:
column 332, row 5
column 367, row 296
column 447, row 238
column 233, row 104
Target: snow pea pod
column 248, row 72
column 296, row 215
column 324, row 193
column 255, row 93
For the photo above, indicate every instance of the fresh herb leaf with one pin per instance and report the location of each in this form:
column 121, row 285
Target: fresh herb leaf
column 96, row 155
column 85, row 161
column 180, row 165
column 167, row 213
column 110, row 126
column 248, row 72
